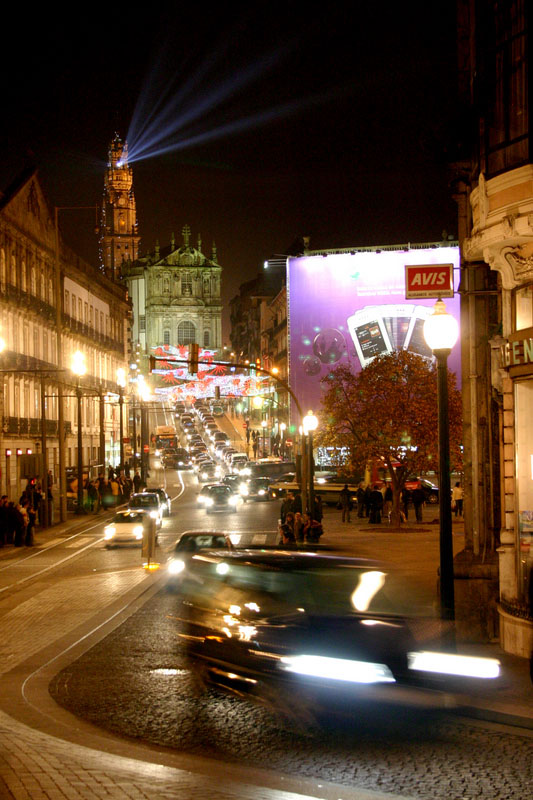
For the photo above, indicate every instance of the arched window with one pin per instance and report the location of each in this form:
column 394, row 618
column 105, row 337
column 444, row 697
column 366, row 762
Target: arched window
column 33, row 281
column 166, row 337
column 23, row 276
column 2, row 265
column 13, row 269
column 186, row 333
column 206, row 339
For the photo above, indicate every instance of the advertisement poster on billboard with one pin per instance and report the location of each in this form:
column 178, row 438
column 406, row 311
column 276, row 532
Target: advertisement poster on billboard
column 348, row 308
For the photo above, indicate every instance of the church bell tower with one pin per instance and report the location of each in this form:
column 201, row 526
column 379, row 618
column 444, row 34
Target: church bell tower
column 119, row 239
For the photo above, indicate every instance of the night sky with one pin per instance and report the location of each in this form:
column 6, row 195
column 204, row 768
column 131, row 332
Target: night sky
column 353, row 120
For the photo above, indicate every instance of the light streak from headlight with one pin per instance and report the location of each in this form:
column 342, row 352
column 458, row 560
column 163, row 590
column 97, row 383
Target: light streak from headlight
column 109, row 532
column 452, row 664
column 369, row 585
column 338, row 669
column 176, row 566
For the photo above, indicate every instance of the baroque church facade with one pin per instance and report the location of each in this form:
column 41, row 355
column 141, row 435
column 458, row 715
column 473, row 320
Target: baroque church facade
column 175, row 289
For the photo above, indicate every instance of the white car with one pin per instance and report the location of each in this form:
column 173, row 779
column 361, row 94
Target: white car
column 126, row 527
column 147, row 501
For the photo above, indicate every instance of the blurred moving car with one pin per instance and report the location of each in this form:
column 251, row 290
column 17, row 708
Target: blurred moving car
column 208, row 471
column 308, row 633
column 126, row 527
column 254, row 489
column 187, row 545
column 147, row 501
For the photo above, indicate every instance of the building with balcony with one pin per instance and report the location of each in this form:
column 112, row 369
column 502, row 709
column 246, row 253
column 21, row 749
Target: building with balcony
column 52, row 304
column 494, row 189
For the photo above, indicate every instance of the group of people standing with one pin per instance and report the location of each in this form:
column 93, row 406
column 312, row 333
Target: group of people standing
column 297, row 527
column 113, row 490
column 18, row 520
column 374, row 503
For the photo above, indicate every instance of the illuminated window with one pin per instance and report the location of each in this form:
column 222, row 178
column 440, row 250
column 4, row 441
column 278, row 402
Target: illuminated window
column 524, row 308
column 186, row 333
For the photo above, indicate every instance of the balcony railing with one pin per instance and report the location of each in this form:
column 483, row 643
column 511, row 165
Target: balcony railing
column 31, row 426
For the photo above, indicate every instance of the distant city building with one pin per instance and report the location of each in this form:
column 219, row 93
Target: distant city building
column 175, row 289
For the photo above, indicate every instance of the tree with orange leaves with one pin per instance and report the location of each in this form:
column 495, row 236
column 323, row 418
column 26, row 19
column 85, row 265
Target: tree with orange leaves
column 387, row 413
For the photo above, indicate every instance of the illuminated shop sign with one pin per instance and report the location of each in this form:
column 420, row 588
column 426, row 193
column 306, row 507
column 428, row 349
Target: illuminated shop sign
column 518, row 352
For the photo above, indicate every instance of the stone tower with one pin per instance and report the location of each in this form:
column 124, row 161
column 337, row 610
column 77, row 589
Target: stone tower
column 119, row 239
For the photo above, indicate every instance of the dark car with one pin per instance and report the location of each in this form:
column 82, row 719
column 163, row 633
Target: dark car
column 255, row 489
column 178, row 460
column 310, row 633
column 188, row 544
column 219, row 497
column 431, row 492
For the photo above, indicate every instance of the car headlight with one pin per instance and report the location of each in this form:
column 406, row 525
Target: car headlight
column 201, row 499
column 154, row 514
column 338, row 669
column 261, row 492
column 176, row 566
column 234, row 499
column 109, row 532
column 158, row 453
column 138, row 531
column 454, row 664
column 243, row 489
column 204, row 476
column 246, row 471
column 209, row 501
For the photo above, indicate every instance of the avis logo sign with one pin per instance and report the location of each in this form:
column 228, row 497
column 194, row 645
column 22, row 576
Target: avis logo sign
column 428, row 280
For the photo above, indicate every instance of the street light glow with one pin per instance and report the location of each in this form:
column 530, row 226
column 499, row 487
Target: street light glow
column 441, row 330
column 79, row 366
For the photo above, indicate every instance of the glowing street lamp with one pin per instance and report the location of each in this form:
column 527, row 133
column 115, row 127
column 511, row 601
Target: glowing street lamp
column 441, row 332
column 310, row 424
column 79, row 368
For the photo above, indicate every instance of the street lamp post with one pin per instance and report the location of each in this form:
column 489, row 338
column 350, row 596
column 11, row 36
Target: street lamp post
column 121, row 381
column 79, row 368
column 441, row 331
column 264, row 424
column 310, row 424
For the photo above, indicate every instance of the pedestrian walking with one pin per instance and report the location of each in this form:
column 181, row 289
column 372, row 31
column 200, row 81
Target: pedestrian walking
column 405, row 500
column 345, row 503
column 457, row 499
column 419, row 498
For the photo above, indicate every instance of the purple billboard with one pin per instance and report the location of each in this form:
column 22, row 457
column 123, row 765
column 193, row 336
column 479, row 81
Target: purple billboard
column 348, row 308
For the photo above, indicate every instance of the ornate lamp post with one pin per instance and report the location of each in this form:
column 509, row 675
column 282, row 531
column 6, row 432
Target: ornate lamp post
column 282, row 428
column 310, row 424
column 79, row 368
column 121, row 381
column 264, row 424
column 441, row 332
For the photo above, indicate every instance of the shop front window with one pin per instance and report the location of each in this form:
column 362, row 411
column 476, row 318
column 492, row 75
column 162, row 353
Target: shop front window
column 524, row 479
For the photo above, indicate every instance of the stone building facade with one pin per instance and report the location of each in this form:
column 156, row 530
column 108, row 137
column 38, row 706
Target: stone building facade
column 175, row 289
column 494, row 189
column 52, row 304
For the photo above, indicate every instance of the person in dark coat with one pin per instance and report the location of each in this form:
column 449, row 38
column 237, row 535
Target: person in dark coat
column 345, row 502
column 3, row 520
column 32, row 515
column 286, row 506
column 360, row 495
column 366, row 501
column 418, row 498
column 376, row 506
column 406, row 499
